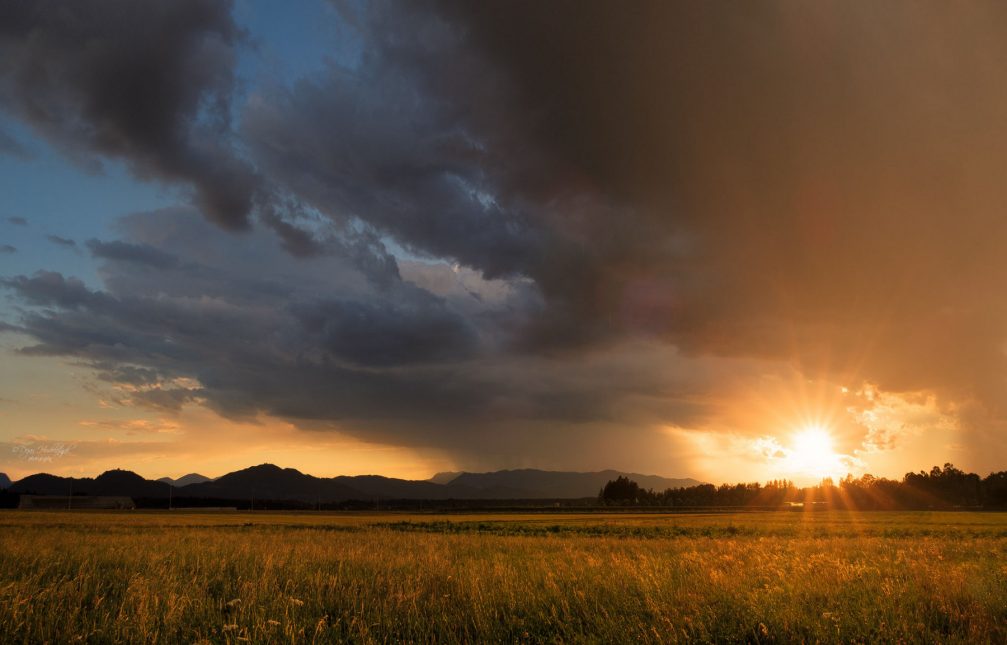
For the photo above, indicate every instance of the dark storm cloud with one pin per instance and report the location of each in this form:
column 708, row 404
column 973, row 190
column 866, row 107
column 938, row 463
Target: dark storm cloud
column 358, row 326
column 48, row 288
column 296, row 241
column 764, row 180
column 388, row 334
column 148, row 82
column 799, row 173
column 392, row 158
column 244, row 328
column 425, row 142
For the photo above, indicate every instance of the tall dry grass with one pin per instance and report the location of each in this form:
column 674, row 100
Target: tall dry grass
column 364, row 578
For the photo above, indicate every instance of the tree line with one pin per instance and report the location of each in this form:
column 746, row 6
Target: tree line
column 941, row 488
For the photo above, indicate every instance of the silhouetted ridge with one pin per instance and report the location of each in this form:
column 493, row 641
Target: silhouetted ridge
column 267, row 482
column 445, row 477
column 112, row 482
column 940, row 488
column 46, row 484
column 185, row 480
column 125, row 482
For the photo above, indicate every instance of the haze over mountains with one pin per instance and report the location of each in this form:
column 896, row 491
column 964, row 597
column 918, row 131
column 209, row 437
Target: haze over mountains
column 269, row 482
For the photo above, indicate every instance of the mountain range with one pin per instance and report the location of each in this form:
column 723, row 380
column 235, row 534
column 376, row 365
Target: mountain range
column 185, row 480
column 269, row 482
column 4, row 481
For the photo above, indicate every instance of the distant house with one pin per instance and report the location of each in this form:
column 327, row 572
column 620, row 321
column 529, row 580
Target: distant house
column 63, row 502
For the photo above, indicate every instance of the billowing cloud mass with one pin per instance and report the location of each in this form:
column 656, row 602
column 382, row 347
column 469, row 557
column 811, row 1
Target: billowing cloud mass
column 512, row 228
column 150, row 83
column 239, row 325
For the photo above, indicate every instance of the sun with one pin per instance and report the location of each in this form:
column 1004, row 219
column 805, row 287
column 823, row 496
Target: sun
column 812, row 453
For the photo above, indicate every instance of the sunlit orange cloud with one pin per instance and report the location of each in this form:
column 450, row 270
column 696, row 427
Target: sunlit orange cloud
column 786, row 426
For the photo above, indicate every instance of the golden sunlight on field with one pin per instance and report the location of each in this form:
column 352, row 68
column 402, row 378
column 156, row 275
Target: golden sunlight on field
column 537, row 577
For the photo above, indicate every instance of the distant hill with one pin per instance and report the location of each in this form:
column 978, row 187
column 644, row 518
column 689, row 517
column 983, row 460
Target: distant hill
column 4, row 481
column 376, row 486
column 272, row 482
column 112, row 483
column 269, row 482
column 532, row 484
column 445, row 477
column 185, row 480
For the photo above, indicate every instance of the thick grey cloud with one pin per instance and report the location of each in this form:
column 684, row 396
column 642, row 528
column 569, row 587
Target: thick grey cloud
column 388, row 334
column 390, row 160
column 242, row 327
column 426, row 142
column 147, row 83
column 777, row 187
column 47, row 288
column 735, row 181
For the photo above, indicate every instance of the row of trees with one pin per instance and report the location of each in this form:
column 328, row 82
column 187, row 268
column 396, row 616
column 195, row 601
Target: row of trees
column 946, row 487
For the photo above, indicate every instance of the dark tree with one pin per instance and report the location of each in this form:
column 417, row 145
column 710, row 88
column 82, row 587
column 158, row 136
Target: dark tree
column 622, row 490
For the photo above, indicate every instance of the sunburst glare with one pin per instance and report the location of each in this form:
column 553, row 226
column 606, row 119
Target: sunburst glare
column 812, row 453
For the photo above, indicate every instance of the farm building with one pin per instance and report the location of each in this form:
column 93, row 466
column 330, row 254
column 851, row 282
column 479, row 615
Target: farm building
column 59, row 502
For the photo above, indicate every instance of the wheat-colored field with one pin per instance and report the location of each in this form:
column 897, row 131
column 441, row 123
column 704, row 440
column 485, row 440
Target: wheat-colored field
column 366, row 577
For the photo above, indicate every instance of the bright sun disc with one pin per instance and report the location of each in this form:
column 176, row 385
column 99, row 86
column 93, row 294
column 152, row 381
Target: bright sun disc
column 812, row 453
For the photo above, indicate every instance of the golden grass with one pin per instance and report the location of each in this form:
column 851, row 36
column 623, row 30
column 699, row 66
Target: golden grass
column 275, row 577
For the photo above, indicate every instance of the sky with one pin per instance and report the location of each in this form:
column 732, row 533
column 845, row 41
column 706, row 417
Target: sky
column 729, row 241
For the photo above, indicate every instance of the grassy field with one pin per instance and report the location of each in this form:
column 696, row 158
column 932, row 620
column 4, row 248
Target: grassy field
column 367, row 577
